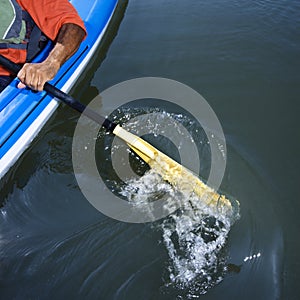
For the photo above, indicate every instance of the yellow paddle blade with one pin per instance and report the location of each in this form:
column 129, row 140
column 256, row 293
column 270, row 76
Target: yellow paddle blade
column 187, row 182
column 138, row 145
column 173, row 172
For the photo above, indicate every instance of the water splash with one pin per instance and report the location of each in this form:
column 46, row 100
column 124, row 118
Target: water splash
column 194, row 236
column 195, row 241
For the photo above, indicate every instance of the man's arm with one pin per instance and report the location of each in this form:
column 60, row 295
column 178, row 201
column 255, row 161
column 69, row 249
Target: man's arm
column 35, row 75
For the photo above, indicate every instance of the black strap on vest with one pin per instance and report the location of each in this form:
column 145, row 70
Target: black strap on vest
column 34, row 37
column 13, row 46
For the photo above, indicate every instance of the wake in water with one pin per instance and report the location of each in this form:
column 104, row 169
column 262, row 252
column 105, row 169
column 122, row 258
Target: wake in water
column 194, row 235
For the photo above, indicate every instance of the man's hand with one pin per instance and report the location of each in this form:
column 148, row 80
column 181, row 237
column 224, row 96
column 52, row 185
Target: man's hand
column 35, row 75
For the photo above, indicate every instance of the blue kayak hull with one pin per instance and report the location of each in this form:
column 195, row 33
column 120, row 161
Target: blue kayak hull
column 23, row 112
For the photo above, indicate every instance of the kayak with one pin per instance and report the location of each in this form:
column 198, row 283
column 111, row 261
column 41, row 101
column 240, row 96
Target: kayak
column 24, row 112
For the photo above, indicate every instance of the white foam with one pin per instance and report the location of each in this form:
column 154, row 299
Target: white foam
column 194, row 236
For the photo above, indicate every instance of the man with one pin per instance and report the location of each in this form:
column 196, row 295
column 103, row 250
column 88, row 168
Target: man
column 59, row 21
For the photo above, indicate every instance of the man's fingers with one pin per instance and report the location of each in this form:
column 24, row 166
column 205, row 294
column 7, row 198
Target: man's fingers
column 35, row 75
column 40, row 85
column 31, row 76
column 21, row 75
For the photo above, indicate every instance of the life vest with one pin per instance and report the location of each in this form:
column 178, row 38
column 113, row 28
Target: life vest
column 18, row 30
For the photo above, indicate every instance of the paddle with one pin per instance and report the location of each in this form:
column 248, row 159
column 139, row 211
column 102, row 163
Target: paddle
column 171, row 171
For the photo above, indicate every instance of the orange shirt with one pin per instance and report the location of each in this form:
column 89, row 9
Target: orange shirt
column 49, row 16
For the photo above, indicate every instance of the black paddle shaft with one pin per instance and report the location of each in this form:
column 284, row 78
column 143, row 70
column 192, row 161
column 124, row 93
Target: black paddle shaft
column 67, row 99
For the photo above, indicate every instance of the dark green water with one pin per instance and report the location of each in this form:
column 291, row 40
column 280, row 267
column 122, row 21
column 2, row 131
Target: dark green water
column 243, row 57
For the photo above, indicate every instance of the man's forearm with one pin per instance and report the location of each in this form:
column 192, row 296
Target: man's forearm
column 66, row 44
